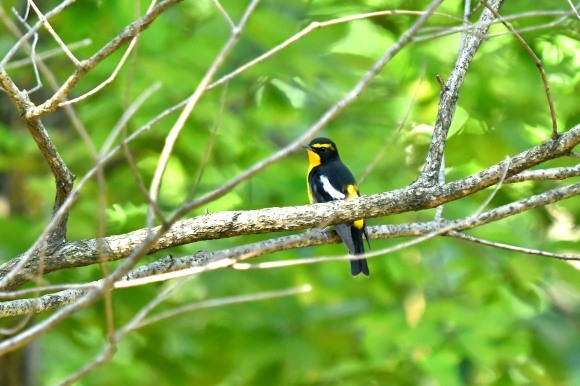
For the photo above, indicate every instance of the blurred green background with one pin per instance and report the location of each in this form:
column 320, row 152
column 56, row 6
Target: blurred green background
column 445, row 312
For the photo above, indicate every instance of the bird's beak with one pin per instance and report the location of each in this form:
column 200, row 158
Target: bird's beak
column 307, row 147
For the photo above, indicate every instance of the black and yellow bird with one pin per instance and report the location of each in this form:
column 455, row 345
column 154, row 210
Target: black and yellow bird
column 329, row 180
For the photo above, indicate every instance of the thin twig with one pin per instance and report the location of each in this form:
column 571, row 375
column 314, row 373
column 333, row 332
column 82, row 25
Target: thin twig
column 442, row 32
column 47, row 288
column 115, row 72
column 137, row 323
column 574, row 8
column 171, row 138
column 381, row 153
column 20, row 324
column 330, row 114
column 51, row 31
column 441, row 82
column 223, row 302
column 209, row 144
column 529, row 251
column 224, row 14
column 127, row 115
column 34, row 29
column 497, row 186
column 466, row 17
column 537, row 61
column 317, row 25
column 560, row 173
column 32, row 52
column 46, row 54
column 131, row 31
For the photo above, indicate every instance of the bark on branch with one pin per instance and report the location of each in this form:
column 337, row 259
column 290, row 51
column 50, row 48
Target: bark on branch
column 62, row 175
column 450, row 96
column 205, row 260
column 235, row 223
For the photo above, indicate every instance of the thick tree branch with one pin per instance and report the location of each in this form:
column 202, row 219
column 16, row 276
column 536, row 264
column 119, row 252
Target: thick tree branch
column 236, row 223
column 62, row 175
column 450, row 96
column 207, row 260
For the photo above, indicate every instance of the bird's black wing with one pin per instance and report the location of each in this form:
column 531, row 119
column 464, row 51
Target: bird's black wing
column 331, row 182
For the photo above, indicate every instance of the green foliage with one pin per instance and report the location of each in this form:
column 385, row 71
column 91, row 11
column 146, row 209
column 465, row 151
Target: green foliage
column 445, row 312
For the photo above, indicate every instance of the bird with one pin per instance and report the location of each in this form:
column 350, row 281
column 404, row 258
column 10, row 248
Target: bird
column 328, row 179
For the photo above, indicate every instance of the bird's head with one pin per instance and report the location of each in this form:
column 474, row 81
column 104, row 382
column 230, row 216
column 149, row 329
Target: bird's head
column 321, row 150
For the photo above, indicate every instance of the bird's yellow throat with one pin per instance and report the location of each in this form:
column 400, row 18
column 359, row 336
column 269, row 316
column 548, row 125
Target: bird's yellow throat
column 313, row 160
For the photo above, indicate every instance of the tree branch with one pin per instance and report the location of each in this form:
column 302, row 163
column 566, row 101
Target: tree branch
column 170, row 267
column 536, row 60
column 545, row 174
column 450, row 96
column 128, row 33
column 236, row 223
column 561, row 256
column 63, row 176
column 330, row 114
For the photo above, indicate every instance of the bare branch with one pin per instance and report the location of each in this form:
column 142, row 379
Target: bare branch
column 574, row 8
column 466, row 17
column 235, row 223
column 209, row 145
column 538, row 65
column 191, row 103
column 545, row 174
column 46, row 54
column 224, row 13
column 138, row 322
column 50, row 30
column 62, row 175
column 128, row 34
column 171, row 268
column 497, row 186
column 450, row 96
column 222, row 302
column 55, row 11
column 330, row 114
column 561, row 256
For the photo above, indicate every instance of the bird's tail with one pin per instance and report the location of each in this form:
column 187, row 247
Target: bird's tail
column 352, row 237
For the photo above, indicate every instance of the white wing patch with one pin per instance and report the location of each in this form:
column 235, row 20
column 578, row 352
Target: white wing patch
column 328, row 188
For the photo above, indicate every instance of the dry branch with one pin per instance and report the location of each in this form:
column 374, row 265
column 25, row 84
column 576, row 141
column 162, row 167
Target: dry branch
column 62, row 175
column 236, row 223
column 450, row 96
column 206, row 260
column 124, row 37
